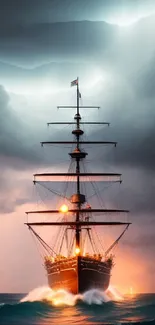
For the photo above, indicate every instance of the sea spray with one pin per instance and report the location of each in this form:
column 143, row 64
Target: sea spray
column 114, row 294
column 59, row 297
column 62, row 297
column 95, row 296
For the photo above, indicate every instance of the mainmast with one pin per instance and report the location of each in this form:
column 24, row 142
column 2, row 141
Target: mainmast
column 77, row 198
column 77, row 154
column 78, row 134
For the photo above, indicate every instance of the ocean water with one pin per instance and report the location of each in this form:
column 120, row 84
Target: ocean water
column 43, row 306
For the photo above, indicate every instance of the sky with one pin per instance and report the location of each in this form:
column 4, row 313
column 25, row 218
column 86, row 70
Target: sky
column 44, row 46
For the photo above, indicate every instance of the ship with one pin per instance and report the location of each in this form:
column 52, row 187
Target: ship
column 77, row 270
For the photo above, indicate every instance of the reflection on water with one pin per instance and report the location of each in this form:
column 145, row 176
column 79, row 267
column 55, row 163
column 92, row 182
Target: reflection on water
column 67, row 316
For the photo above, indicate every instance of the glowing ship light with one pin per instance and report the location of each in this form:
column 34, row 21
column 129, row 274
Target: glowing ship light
column 64, row 208
column 77, row 250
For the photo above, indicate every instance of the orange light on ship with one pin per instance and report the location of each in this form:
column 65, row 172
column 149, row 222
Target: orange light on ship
column 77, row 250
column 64, row 208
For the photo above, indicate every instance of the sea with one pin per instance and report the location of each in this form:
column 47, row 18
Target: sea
column 43, row 306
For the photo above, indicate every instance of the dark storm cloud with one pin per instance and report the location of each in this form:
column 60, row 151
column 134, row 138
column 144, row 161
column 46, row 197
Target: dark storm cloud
column 137, row 193
column 131, row 116
column 60, row 73
column 145, row 81
column 15, row 137
column 10, row 188
column 144, row 241
column 132, row 125
column 70, row 41
column 20, row 135
column 136, row 141
column 79, row 41
column 21, row 11
column 28, row 35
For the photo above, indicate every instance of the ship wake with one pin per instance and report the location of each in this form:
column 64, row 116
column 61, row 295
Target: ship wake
column 62, row 297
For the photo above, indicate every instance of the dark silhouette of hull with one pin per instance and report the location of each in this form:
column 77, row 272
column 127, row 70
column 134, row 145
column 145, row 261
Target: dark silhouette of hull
column 78, row 274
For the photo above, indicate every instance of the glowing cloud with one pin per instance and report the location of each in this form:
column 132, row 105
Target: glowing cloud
column 126, row 19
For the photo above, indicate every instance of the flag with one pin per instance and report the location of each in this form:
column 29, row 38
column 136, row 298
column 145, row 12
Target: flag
column 74, row 82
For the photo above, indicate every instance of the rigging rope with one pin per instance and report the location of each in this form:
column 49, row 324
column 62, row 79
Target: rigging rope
column 84, row 241
column 36, row 245
column 43, row 243
column 71, row 243
column 96, row 191
column 52, row 191
column 98, row 238
column 116, row 241
column 61, row 243
column 91, row 240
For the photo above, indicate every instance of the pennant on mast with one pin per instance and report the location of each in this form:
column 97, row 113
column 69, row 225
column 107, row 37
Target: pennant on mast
column 74, row 82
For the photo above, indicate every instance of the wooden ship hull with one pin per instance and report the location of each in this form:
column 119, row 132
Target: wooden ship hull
column 78, row 274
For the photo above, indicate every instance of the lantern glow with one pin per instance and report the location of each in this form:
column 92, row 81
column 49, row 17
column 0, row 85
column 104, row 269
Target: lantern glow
column 64, row 208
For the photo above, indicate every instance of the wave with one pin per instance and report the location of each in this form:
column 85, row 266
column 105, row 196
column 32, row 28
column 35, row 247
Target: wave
column 44, row 300
column 39, row 312
column 62, row 297
column 46, row 304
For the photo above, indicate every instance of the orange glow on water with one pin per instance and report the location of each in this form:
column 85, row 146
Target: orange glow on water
column 114, row 294
column 131, row 293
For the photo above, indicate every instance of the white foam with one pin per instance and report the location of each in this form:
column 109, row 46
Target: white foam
column 62, row 297
column 95, row 296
